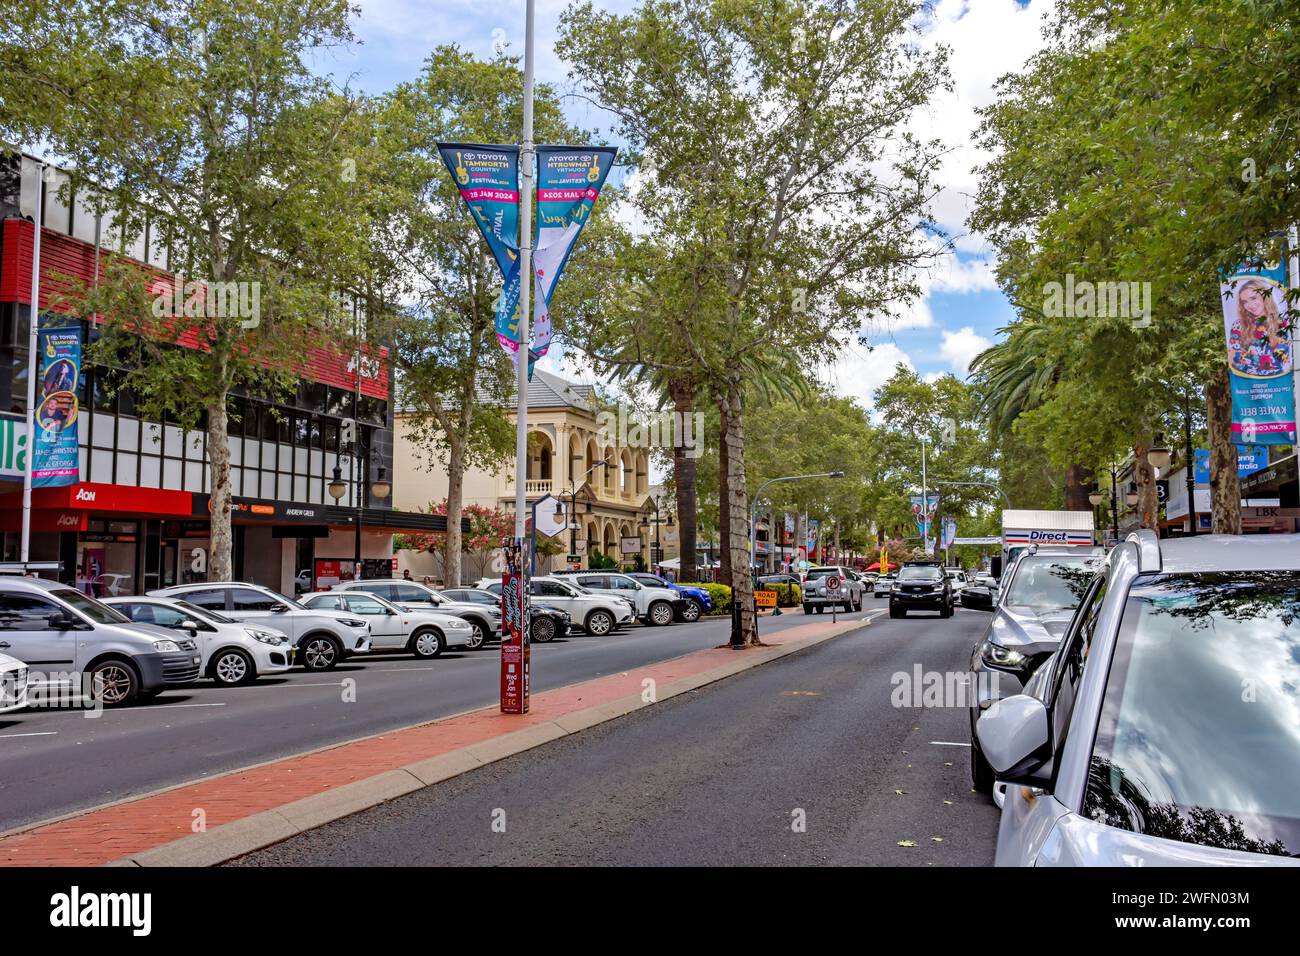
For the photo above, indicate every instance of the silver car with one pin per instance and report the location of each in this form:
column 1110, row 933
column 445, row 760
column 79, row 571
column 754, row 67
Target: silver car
column 421, row 631
column 1163, row 732
column 484, row 621
column 76, row 648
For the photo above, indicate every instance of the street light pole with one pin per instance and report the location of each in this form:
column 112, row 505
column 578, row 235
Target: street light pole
column 525, row 278
column 1190, row 454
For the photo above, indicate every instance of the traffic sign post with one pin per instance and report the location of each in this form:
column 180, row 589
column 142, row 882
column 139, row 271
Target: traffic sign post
column 833, row 591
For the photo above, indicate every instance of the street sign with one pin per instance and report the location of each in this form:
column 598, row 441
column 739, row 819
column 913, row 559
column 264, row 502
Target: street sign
column 765, row 598
column 832, row 584
column 548, row 522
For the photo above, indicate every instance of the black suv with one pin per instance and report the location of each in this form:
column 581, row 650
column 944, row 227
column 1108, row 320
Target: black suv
column 921, row 587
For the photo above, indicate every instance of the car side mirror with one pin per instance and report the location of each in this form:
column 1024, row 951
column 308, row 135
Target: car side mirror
column 1016, row 738
column 191, row 626
column 977, row 599
column 278, row 608
column 63, row 621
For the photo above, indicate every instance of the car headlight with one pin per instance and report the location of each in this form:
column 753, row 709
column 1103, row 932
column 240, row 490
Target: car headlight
column 458, row 625
column 266, row 637
column 352, row 622
column 166, row 647
column 999, row 656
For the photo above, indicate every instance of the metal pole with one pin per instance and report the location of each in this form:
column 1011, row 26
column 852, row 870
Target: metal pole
column 925, row 499
column 32, row 350
column 525, row 277
column 1191, row 464
column 1293, row 240
column 1114, row 502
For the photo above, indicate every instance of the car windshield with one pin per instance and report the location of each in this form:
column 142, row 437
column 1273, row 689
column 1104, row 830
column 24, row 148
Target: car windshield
column 1052, row 583
column 204, row 614
column 821, row 572
column 920, row 574
column 99, row 613
column 1200, row 726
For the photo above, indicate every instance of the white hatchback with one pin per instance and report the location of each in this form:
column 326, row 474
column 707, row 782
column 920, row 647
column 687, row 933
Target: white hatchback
column 234, row 652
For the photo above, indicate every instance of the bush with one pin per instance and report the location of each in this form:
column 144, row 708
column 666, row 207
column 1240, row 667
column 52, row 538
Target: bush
column 720, row 595
column 787, row 595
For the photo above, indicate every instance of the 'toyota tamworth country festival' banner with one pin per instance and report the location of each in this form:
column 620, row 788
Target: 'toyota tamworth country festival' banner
column 488, row 180
column 1260, row 359
column 923, row 521
column 569, row 181
column 56, row 460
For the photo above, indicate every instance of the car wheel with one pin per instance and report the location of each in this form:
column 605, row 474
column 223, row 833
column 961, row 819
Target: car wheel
column 897, row 612
column 598, row 623
column 661, row 613
column 692, row 612
column 321, row 653
column 857, row 605
column 807, row 608
column 426, row 644
column 543, row 630
column 113, row 683
column 232, row 667
column 981, row 774
column 821, row 608
column 945, row 610
column 478, row 636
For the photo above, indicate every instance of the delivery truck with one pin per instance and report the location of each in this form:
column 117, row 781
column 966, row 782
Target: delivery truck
column 1022, row 528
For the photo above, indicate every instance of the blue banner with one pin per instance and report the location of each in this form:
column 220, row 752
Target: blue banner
column 569, row 180
column 56, row 460
column 1250, row 459
column 1260, row 364
column 488, row 180
column 923, row 521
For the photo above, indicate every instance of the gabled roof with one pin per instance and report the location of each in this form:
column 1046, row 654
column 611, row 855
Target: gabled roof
column 550, row 391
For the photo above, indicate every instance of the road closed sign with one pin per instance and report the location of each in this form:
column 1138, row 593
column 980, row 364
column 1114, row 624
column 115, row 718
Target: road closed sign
column 765, row 598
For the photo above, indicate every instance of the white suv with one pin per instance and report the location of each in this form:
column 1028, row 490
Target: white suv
column 597, row 614
column 653, row 605
column 323, row 638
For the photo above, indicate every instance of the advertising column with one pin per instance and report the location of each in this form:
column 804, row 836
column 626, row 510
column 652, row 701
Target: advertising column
column 515, row 650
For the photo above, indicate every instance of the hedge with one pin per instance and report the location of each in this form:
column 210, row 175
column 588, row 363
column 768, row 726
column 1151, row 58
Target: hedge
column 721, row 595
column 787, row 595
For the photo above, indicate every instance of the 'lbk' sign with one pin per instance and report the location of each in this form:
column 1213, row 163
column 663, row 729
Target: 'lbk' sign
column 514, row 644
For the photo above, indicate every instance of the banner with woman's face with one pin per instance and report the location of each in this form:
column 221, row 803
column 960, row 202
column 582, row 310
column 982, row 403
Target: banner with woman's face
column 1260, row 354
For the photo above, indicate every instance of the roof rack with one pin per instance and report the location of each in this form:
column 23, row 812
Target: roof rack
column 26, row 567
column 1148, row 549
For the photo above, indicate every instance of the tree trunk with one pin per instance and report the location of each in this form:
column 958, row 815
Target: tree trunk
column 682, row 392
column 220, row 565
column 452, row 545
column 1078, row 480
column 724, row 514
column 737, row 509
column 1225, row 485
column 1144, row 475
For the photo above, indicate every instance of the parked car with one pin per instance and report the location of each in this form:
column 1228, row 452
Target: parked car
column 958, row 579
column 885, row 584
column 233, row 652
column 323, row 638
column 921, row 587
column 850, row 595
column 63, row 635
column 1032, row 606
column 652, row 604
column 484, row 621
column 545, row 623
column 698, row 603
column 597, row 614
column 421, row 631
column 1163, row 730
column 13, row 683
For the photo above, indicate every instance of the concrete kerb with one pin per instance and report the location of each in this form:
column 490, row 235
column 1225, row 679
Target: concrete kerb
column 260, row 830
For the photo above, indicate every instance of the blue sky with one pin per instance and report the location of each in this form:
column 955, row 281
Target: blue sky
column 961, row 309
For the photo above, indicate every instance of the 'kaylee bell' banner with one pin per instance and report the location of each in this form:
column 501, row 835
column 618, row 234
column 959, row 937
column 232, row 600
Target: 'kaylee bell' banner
column 488, row 180
column 569, row 179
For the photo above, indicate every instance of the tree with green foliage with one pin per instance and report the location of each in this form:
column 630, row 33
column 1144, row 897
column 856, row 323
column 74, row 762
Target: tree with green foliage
column 784, row 182
column 203, row 122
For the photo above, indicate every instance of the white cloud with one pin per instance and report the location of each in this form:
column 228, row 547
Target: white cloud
column 859, row 372
column 959, row 348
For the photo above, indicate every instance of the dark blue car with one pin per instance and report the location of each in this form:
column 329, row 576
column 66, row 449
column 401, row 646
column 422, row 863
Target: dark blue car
column 698, row 603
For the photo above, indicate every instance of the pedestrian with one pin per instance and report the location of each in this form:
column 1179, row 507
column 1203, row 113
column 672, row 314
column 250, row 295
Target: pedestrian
column 406, row 575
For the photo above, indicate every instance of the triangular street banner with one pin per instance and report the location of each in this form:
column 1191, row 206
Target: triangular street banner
column 488, row 180
column 569, row 180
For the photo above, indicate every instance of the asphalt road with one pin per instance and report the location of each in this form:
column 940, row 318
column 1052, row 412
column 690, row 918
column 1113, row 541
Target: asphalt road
column 53, row 762
column 723, row 775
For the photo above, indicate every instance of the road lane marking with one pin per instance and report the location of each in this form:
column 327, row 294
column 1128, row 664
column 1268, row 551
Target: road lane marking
column 948, row 743
column 43, row 733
